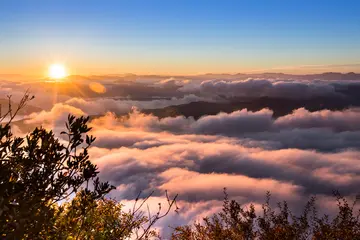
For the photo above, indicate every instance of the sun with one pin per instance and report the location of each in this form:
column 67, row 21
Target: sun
column 57, row 71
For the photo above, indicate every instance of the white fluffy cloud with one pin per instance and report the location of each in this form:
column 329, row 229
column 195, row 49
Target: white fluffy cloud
column 57, row 115
column 103, row 105
column 244, row 123
column 347, row 120
column 261, row 87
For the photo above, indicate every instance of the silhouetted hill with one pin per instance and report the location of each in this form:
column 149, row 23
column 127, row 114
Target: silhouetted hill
column 280, row 106
column 322, row 76
column 333, row 76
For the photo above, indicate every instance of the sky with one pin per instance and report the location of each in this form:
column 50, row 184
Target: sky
column 179, row 37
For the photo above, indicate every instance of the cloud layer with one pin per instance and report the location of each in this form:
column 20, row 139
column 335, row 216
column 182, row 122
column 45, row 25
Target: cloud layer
column 294, row 156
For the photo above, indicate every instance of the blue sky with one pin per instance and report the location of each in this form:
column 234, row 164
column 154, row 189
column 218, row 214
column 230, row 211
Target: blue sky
column 179, row 37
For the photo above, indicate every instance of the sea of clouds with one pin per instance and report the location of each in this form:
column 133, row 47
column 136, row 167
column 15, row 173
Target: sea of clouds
column 295, row 156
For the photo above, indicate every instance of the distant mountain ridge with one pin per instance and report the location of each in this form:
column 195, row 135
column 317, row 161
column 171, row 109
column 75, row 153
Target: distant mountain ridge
column 207, row 76
column 279, row 106
column 320, row 76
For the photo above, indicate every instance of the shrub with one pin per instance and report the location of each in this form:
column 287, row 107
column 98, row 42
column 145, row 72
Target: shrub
column 237, row 222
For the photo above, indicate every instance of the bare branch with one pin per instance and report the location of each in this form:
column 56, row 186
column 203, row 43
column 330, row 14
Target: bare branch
column 23, row 102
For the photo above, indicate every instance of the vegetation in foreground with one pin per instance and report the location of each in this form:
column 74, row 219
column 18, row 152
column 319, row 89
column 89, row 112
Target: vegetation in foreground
column 50, row 190
column 238, row 222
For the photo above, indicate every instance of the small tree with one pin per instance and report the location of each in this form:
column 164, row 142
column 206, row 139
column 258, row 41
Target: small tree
column 38, row 174
column 102, row 219
column 37, row 171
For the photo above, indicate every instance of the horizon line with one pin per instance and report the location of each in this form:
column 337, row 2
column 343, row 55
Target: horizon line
column 179, row 75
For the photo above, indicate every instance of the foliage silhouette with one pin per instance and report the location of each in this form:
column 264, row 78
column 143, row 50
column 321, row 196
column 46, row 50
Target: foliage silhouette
column 37, row 171
column 236, row 222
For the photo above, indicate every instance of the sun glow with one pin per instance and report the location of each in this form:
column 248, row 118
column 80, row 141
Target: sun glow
column 57, row 71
